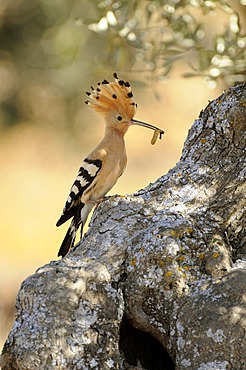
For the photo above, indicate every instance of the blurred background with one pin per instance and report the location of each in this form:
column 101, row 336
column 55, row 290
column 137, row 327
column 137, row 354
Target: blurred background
column 177, row 55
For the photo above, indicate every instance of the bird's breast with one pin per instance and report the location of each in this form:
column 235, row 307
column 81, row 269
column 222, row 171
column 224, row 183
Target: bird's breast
column 111, row 170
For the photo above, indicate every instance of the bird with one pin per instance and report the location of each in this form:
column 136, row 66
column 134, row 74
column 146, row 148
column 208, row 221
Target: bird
column 101, row 169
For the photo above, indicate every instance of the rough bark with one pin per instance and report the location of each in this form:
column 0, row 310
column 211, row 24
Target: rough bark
column 168, row 261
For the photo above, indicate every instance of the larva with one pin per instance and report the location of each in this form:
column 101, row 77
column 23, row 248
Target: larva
column 155, row 136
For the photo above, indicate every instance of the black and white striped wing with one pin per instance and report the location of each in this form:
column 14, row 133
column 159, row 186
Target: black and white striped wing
column 86, row 175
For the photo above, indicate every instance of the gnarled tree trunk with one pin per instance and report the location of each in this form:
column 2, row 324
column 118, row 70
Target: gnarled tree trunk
column 159, row 280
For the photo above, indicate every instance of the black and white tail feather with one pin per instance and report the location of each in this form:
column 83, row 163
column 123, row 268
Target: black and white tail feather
column 74, row 207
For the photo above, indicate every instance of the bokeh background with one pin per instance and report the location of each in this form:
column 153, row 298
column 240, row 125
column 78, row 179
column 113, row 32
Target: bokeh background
column 51, row 52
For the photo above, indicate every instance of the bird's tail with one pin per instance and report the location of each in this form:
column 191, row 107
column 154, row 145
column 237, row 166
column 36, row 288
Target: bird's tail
column 79, row 218
column 68, row 241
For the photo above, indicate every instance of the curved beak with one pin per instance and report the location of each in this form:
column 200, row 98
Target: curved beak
column 147, row 125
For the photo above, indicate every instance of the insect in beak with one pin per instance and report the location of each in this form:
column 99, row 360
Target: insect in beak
column 147, row 125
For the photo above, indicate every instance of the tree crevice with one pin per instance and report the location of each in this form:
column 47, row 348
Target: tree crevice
column 141, row 350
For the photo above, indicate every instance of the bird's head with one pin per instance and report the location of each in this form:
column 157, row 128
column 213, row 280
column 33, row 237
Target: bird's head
column 114, row 100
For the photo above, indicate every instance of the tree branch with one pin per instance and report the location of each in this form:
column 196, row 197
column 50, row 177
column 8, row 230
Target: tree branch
column 168, row 261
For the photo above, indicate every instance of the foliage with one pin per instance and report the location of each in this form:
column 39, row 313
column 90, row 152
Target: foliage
column 158, row 33
column 48, row 48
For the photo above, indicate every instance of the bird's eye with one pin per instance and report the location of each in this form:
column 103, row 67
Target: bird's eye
column 119, row 118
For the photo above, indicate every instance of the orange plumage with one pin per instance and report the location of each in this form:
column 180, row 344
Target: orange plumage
column 113, row 96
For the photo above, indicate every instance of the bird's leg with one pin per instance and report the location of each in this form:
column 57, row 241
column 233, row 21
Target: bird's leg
column 99, row 201
column 92, row 202
column 96, row 202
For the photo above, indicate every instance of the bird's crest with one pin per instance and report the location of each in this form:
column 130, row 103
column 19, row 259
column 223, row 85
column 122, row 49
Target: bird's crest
column 113, row 96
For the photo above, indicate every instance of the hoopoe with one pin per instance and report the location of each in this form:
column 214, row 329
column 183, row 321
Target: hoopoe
column 101, row 169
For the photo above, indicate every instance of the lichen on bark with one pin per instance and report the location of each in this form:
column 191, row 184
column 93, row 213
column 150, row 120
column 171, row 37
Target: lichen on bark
column 169, row 259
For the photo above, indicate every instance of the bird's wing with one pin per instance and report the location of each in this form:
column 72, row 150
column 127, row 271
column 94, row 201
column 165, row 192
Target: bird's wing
column 88, row 172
